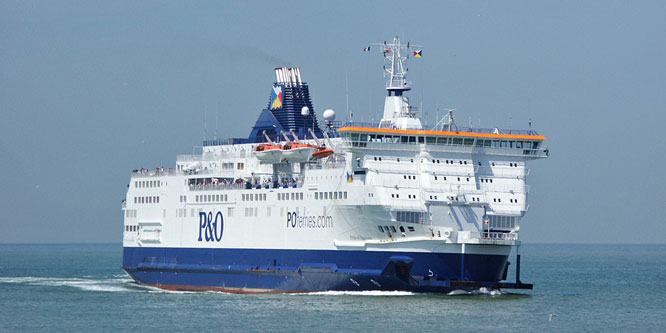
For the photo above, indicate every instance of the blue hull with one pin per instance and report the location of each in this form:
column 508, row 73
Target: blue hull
column 269, row 270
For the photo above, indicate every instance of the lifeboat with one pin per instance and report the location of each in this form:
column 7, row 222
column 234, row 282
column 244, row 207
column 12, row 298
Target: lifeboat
column 297, row 152
column 323, row 152
column 268, row 153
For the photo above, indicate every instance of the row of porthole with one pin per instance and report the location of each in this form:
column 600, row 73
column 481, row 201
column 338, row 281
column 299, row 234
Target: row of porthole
column 210, row 198
column 445, row 178
column 131, row 228
column 500, row 200
column 341, row 195
column 455, row 198
column 397, row 159
column 397, row 196
column 147, row 183
column 387, row 228
column 146, row 200
column 436, row 161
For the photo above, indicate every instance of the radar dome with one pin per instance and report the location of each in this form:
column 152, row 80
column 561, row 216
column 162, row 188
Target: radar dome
column 329, row 115
column 305, row 111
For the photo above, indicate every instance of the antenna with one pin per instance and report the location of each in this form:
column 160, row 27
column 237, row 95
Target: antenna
column 205, row 129
column 347, row 90
column 216, row 116
column 395, row 70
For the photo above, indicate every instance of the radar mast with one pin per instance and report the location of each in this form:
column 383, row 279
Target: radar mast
column 395, row 68
column 397, row 111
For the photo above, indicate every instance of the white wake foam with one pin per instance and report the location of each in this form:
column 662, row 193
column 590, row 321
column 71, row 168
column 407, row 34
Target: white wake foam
column 480, row 291
column 359, row 293
column 118, row 283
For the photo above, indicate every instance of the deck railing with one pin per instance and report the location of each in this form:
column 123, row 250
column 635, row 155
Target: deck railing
column 499, row 236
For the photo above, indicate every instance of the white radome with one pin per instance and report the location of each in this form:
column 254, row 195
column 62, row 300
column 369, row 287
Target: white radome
column 305, row 111
column 329, row 115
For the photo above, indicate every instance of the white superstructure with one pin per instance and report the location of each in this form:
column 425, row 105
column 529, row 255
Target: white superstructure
column 394, row 187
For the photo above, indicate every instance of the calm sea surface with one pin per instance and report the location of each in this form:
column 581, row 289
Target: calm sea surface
column 577, row 288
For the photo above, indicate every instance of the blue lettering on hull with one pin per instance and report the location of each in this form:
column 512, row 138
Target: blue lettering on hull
column 209, row 227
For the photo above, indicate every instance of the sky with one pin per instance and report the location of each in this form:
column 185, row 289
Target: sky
column 92, row 90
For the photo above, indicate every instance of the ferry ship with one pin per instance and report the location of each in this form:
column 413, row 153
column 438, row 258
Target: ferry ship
column 303, row 205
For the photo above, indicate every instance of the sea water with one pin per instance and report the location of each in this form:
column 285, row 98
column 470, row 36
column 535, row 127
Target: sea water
column 81, row 287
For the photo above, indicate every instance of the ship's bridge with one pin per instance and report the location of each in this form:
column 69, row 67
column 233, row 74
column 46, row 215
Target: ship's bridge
column 505, row 141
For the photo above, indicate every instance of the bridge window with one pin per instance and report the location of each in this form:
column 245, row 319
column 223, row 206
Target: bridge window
column 431, row 140
column 468, row 142
column 381, row 229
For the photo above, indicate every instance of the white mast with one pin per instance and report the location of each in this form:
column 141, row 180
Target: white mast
column 397, row 111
